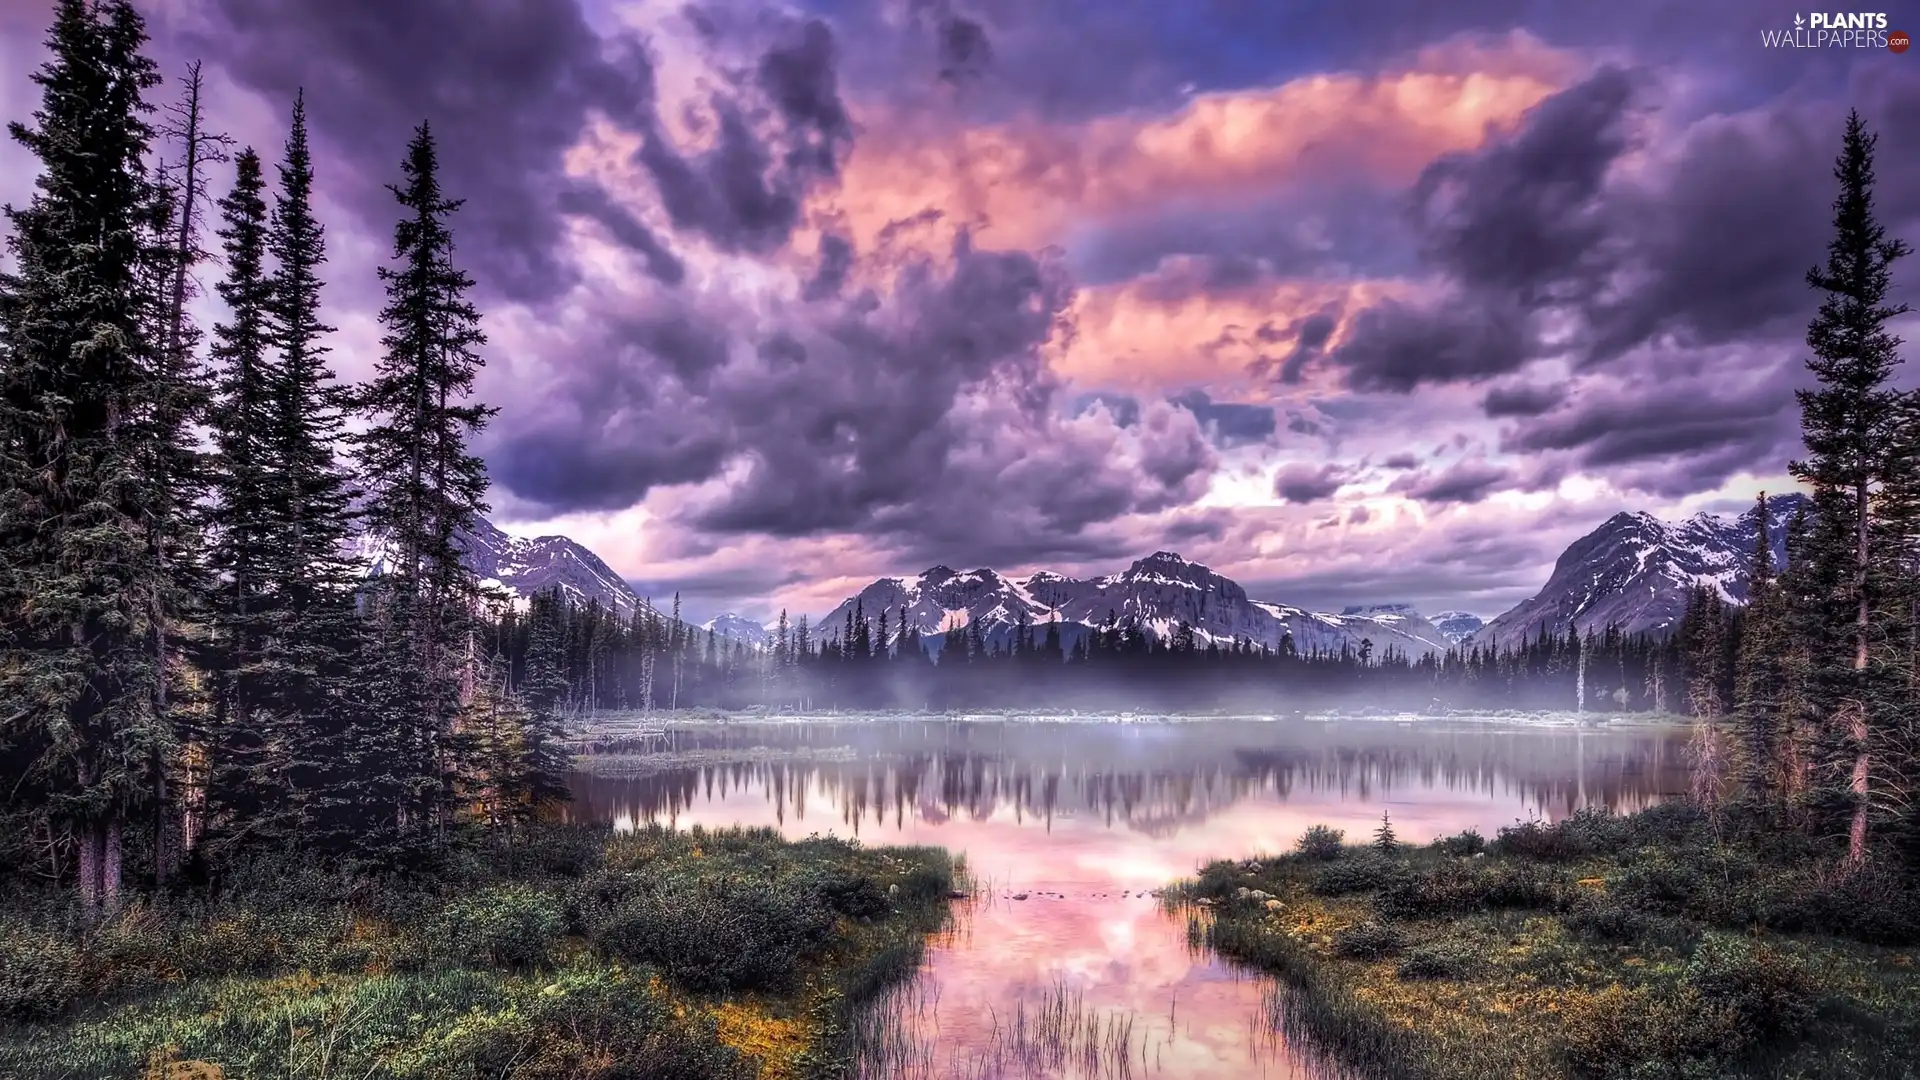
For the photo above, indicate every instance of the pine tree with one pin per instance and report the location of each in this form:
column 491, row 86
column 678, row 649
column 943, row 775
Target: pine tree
column 242, row 513
column 1851, row 422
column 1761, row 676
column 91, row 423
column 1383, row 839
column 425, row 491
column 545, row 762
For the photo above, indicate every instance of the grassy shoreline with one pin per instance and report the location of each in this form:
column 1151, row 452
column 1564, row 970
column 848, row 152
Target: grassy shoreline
column 1615, row 948
column 668, row 955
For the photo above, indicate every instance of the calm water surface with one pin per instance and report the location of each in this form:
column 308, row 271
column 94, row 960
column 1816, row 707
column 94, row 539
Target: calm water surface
column 1086, row 819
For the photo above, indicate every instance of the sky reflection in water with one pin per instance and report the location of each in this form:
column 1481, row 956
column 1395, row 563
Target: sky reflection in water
column 1087, row 818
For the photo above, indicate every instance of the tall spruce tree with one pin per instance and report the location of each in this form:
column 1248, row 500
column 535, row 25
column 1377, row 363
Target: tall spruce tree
column 425, row 491
column 90, row 430
column 545, row 759
column 1851, row 422
column 1760, row 721
column 336, row 743
column 242, row 514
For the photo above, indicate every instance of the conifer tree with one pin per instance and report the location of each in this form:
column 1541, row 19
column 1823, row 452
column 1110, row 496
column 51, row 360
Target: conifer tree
column 1761, row 676
column 242, row 514
column 90, row 418
column 1383, row 839
column 425, row 490
column 1852, row 423
column 337, row 742
column 545, row 761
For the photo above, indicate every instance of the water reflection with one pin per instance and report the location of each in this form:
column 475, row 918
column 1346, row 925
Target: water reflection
column 1080, row 821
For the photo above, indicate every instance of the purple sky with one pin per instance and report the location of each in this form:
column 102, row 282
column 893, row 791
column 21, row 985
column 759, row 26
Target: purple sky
column 1357, row 302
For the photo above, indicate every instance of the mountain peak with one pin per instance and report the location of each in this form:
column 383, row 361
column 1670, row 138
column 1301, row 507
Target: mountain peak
column 1635, row 570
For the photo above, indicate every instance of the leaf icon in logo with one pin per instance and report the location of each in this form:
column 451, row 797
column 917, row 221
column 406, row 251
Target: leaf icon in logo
column 1798, row 21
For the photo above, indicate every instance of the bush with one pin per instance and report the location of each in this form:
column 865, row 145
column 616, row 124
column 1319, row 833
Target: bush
column 40, row 975
column 1658, row 884
column 1362, row 872
column 1606, row 919
column 852, row 895
column 1440, row 961
column 1321, row 843
column 709, row 930
column 586, row 1023
column 1462, row 845
column 508, row 926
column 1367, row 941
column 1769, row 993
column 1536, row 840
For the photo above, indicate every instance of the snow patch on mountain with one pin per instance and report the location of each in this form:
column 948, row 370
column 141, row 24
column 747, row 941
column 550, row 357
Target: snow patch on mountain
column 739, row 628
column 1635, row 571
column 1159, row 592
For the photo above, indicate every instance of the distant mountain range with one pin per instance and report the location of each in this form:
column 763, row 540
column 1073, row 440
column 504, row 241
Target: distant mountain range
column 1160, row 591
column 1633, row 571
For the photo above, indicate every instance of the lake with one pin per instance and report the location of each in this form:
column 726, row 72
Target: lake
column 1070, row 825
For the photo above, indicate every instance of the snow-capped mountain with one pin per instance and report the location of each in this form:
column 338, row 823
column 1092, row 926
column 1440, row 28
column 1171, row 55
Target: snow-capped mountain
column 1162, row 591
column 739, row 628
column 1457, row 626
column 1634, row 571
column 522, row 567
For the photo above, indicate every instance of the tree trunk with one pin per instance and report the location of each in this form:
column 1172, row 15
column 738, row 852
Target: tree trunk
column 110, row 866
column 1857, row 725
column 91, row 840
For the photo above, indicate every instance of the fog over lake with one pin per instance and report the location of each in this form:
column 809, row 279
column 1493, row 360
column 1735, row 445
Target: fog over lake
column 1085, row 819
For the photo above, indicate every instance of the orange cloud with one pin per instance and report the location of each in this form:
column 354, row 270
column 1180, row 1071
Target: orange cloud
column 1141, row 334
column 1026, row 182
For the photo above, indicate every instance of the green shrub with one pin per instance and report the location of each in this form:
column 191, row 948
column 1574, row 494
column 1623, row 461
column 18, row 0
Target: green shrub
column 1658, row 884
column 1321, row 843
column 1770, row 994
column 1367, row 941
column 1361, row 872
column 40, row 975
column 507, row 926
column 853, row 895
column 1462, row 845
column 711, row 929
column 1536, row 840
column 1606, row 918
column 1438, row 961
column 586, row 1023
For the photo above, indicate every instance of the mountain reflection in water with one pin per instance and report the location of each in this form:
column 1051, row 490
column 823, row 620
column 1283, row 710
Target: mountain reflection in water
column 1085, row 819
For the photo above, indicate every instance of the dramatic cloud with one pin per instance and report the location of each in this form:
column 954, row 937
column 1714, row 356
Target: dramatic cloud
column 1302, row 483
column 1388, row 306
column 1461, row 482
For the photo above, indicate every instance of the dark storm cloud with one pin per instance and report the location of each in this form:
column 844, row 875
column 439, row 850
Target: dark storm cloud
column 1400, row 461
column 1310, row 337
column 1229, row 424
column 1311, row 230
column 964, row 51
column 1522, row 399
column 1299, row 482
column 924, row 421
column 592, row 202
column 1672, row 435
column 830, row 276
column 1704, row 243
column 508, row 86
column 1301, row 424
column 1466, row 481
column 1397, row 346
column 1522, row 218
